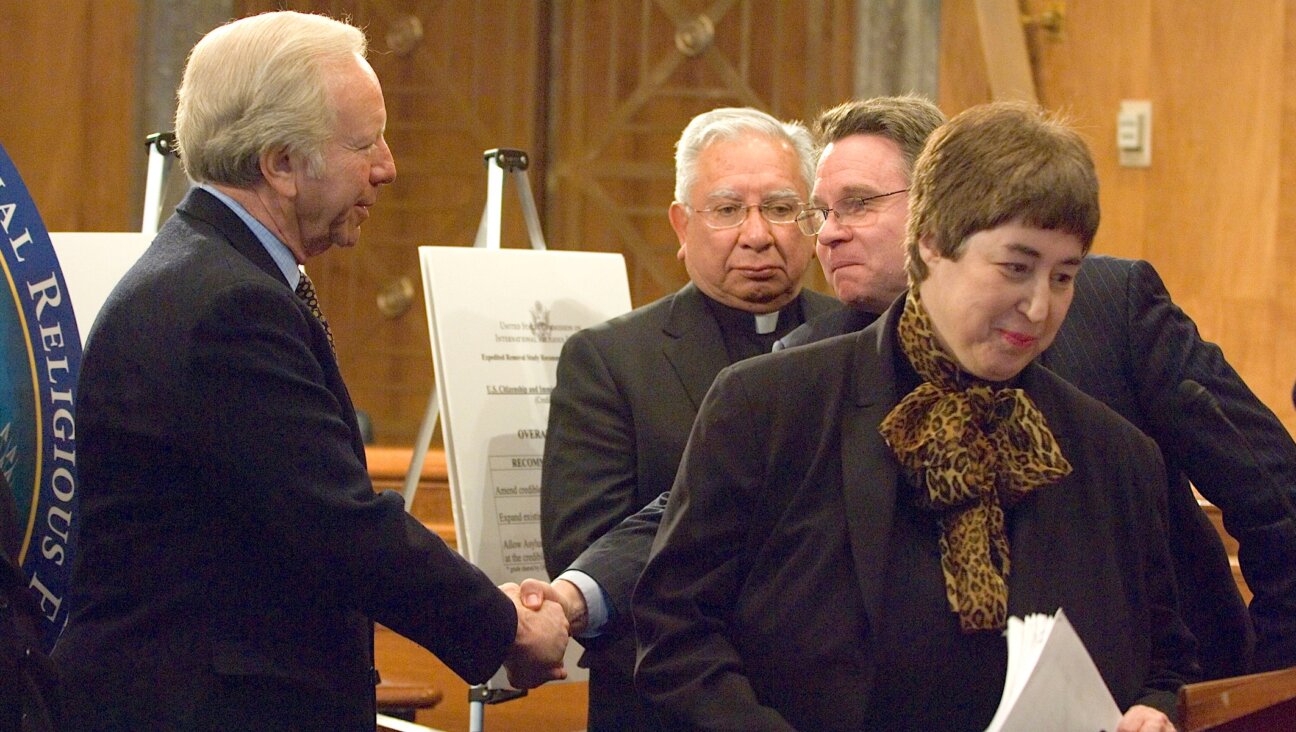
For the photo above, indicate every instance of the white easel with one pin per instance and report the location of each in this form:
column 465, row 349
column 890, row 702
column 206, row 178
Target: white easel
column 498, row 162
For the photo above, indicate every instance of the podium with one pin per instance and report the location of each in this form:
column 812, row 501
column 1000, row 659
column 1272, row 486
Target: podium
column 1264, row 702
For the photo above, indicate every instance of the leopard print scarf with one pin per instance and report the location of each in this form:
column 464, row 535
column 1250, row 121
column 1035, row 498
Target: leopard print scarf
column 971, row 447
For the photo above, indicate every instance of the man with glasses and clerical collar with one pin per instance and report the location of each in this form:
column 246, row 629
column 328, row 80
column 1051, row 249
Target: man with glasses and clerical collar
column 628, row 389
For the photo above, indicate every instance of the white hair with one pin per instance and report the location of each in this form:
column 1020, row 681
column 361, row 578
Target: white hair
column 727, row 123
column 259, row 84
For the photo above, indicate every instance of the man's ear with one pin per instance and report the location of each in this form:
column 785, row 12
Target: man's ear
column 679, row 222
column 280, row 169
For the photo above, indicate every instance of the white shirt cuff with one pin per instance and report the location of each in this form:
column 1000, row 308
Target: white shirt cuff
column 596, row 603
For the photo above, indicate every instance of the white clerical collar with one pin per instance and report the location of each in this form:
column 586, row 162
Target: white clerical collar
column 766, row 322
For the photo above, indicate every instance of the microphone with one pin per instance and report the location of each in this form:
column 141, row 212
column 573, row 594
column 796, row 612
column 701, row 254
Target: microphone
column 1194, row 399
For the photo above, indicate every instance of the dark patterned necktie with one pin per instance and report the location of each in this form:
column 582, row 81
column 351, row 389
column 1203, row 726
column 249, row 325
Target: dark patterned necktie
column 306, row 291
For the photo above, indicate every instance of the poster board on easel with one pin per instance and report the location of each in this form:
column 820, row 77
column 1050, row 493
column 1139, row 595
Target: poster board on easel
column 498, row 319
column 92, row 264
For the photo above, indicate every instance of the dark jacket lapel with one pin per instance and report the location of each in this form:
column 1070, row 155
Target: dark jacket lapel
column 815, row 306
column 203, row 206
column 869, row 472
column 1041, row 385
column 694, row 346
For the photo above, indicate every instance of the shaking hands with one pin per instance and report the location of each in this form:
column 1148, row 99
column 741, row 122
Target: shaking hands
column 544, row 626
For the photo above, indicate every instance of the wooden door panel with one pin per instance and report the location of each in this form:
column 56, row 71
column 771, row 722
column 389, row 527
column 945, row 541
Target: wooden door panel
column 627, row 77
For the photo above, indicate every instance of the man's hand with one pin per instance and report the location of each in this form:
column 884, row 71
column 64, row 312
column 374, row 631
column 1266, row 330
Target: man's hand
column 542, row 633
column 535, row 592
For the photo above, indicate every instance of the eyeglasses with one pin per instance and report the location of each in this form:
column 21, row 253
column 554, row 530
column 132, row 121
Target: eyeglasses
column 730, row 214
column 850, row 212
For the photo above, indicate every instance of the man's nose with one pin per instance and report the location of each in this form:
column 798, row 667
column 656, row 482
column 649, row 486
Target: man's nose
column 755, row 231
column 833, row 232
column 384, row 169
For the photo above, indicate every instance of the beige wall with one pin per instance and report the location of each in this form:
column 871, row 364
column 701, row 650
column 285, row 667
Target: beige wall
column 1215, row 211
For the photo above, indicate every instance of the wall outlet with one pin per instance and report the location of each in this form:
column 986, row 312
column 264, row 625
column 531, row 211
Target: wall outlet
column 1134, row 133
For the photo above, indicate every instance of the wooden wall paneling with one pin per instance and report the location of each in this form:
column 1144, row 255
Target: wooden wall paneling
column 1003, row 46
column 1218, row 85
column 69, row 115
column 1282, row 334
column 962, row 78
column 631, row 73
column 1084, row 75
column 1207, row 212
column 469, row 85
column 1213, row 202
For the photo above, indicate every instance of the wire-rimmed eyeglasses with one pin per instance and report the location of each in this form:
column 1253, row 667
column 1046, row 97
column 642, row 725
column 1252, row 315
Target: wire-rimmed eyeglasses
column 729, row 214
column 850, row 211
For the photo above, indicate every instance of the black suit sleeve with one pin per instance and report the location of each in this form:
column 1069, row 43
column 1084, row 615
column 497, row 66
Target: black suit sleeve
column 589, row 474
column 27, row 678
column 617, row 559
column 287, row 464
column 688, row 668
column 1173, row 662
column 1252, row 484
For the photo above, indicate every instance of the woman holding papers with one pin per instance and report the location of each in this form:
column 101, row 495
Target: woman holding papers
column 854, row 521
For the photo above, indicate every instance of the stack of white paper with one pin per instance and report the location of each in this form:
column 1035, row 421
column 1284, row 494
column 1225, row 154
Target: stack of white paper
column 1052, row 683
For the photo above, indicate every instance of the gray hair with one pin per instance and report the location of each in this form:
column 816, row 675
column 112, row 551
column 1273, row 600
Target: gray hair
column 728, row 123
column 260, row 84
column 905, row 120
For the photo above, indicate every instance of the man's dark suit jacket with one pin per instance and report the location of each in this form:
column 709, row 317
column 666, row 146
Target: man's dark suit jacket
column 1127, row 344
column 757, row 607
column 230, row 530
column 626, row 395
column 28, row 681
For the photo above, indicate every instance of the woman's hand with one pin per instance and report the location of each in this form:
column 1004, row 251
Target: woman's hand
column 1141, row 718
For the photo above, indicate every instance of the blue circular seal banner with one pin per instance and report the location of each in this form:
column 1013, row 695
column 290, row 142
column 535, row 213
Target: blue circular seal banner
column 40, row 355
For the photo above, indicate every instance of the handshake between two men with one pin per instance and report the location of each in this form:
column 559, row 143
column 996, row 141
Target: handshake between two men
column 548, row 615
